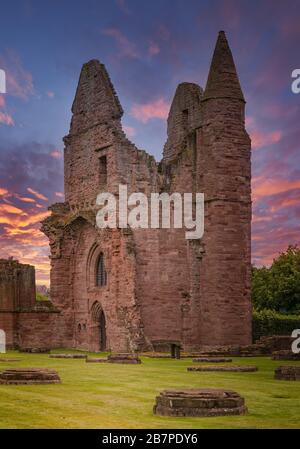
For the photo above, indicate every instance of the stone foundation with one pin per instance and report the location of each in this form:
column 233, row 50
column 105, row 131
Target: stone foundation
column 68, row 356
column 28, row 376
column 231, row 368
column 36, row 350
column 96, row 360
column 276, row 343
column 287, row 373
column 195, row 402
column 285, row 355
column 124, row 358
column 212, row 359
column 7, row 360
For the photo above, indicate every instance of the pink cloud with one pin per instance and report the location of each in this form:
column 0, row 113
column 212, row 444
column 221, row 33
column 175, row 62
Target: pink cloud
column 153, row 49
column 56, row 154
column 284, row 202
column 2, row 101
column 59, row 194
column 129, row 131
column 260, row 139
column 147, row 111
column 6, row 119
column 50, row 94
column 19, row 81
column 266, row 187
column 126, row 47
column 123, row 6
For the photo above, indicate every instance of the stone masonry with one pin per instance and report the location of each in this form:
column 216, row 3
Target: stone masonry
column 27, row 324
column 155, row 285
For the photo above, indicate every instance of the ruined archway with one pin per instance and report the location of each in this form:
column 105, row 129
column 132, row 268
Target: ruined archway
column 98, row 328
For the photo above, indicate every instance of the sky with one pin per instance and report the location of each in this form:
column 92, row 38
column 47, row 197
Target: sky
column 148, row 47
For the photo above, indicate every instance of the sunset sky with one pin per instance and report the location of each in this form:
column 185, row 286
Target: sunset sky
column 148, row 47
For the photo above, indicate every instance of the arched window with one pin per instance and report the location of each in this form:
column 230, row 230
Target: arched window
column 101, row 276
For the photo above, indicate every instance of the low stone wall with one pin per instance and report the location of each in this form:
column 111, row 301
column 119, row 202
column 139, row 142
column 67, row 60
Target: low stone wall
column 212, row 359
column 229, row 368
column 124, row 358
column 68, row 356
column 287, row 373
column 285, row 355
column 28, row 376
column 195, row 402
column 276, row 343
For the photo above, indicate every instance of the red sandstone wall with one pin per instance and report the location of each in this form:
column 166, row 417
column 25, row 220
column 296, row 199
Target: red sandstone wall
column 160, row 286
column 8, row 324
column 37, row 329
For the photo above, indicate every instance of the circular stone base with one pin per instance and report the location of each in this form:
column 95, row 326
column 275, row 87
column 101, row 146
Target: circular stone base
column 212, row 359
column 195, row 402
column 287, row 373
column 28, row 376
column 230, row 368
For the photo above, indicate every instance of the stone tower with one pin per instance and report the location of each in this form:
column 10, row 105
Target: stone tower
column 133, row 289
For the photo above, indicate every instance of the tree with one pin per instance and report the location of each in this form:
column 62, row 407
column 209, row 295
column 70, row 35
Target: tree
column 278, row 287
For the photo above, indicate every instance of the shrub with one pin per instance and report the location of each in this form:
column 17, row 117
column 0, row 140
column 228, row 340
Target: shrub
column 268, row 322
column 41, row 297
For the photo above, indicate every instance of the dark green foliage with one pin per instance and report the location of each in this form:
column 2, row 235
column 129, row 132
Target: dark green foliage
column 41, row 297
column 278, row 287
column 269, row 322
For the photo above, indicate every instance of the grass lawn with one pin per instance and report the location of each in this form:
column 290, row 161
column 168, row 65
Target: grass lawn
column 100, row 395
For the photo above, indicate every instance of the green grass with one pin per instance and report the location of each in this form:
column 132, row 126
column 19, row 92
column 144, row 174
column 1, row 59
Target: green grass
column 122, row 396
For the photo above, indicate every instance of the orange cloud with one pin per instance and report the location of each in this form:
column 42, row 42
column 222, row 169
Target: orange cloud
column 6, row 119
column 3, row 192
column 40, row 196
column 155, row 109
column 25, row 199
column 9, row 209
column 15, row 217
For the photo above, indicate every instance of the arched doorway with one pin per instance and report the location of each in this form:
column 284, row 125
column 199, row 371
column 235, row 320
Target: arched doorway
column 98, row 327
column 102, row 324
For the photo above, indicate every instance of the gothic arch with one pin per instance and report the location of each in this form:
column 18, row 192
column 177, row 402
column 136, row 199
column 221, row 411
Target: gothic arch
column 92, row 266
column 98, row 327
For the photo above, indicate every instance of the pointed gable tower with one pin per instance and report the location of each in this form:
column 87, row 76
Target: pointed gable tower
column 96, row 101
column 224, row 158
column 223, row 81
column 96, row 117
